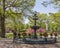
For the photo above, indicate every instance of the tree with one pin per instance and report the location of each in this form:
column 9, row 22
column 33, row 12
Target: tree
column 56, row 3
column 18, row 5
column 56, row 18
column 2, row 20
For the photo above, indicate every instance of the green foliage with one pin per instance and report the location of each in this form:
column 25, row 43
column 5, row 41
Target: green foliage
column 14, row 18
column 43, row 25
column 1, row 10
column 53, row 21
column 56, row 17
column 56, row 3
column 9, row 35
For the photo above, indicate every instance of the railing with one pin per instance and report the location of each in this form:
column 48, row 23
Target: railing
column 28, row 38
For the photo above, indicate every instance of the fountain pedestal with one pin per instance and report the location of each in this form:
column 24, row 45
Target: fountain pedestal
column 35, row 28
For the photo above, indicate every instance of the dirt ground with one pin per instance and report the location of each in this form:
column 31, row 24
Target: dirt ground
column 8, row 43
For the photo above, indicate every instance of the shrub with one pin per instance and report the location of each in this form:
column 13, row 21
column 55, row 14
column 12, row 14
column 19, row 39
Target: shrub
column 9, row 35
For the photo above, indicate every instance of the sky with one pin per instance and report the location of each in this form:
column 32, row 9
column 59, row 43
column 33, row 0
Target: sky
column 40, row 8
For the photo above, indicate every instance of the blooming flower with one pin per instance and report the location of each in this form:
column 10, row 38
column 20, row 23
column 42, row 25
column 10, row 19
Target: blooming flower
column 40, row 30
column 29, row 31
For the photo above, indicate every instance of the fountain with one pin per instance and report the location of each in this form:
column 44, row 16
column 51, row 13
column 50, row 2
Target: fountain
column 35, row 27
column 35, row 39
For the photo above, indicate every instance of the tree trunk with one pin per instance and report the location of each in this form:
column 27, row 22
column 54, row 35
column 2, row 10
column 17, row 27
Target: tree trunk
column 3, row 27
column 3, row 21
column 0, row 24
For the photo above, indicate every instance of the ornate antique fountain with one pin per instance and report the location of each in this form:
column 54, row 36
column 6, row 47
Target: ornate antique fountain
column 34, row 27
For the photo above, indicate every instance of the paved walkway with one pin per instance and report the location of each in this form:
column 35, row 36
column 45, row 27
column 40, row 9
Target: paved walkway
column 7, row 43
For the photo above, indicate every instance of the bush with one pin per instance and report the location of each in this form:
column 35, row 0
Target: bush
column 9, row 35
